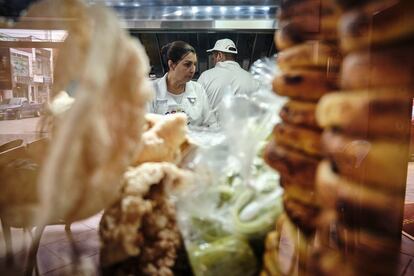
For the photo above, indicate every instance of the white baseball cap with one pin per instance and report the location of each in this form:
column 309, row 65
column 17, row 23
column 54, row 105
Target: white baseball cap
column 224, row 45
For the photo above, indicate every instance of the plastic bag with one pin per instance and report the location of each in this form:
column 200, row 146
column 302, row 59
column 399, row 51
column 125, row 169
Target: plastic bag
column 236, row 198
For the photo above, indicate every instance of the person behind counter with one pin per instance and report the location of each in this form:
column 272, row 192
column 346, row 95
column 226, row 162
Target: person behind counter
column 176, row 92
column 226, row 75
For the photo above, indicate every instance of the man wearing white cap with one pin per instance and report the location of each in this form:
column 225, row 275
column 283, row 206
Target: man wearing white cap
column 226, row 76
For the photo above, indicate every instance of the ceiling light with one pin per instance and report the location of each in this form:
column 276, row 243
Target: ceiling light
column 194, row 9
column 223, row 9
column 178, row 13
column 209, row 9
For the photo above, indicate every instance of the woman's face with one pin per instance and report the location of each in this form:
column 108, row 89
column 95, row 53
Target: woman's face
column 184, row 70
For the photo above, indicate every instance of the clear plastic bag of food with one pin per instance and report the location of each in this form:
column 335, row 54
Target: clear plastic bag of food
column 236, row 198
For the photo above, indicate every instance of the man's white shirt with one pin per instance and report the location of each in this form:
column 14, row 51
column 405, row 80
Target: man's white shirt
column 226, row 77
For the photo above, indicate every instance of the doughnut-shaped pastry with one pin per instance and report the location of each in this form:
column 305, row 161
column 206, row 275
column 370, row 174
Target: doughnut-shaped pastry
column 311, row 54
column 370, row 114
column 287, row 36
column 378, row 68
column 299, row 113
column 290, row 34
column 381, row 164
column 360, row 206
column 307, row 85
column 289, row 250
column 376, row 23
column 302, row 139
column 302, row 193
column 312, row 17
column 361, row 246
column 303, row 216
column 292, row 165
column 318, row 8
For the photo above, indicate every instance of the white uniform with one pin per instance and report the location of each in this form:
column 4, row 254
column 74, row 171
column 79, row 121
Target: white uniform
column 224, row 76
column 193, row 102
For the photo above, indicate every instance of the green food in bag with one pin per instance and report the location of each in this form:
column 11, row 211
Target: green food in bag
column 227, row 256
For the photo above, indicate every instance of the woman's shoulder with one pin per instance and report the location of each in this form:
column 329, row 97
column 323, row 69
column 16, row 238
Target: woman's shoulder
column 159, row 85
column 157, row 80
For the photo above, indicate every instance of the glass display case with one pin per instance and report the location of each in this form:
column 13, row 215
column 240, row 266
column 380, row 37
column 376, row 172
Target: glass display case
column 310, row 174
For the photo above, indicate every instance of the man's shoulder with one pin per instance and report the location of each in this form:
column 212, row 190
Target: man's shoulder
column 209, row 72
column 244, row 73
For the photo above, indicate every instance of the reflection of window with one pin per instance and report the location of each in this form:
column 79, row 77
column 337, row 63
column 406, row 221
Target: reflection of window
column 20, row 64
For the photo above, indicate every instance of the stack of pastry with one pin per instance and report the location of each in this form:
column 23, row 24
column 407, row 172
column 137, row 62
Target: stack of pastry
column 366, row 138
column 309, row 60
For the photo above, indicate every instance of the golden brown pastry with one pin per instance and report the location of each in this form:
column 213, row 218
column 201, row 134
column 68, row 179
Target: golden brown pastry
column 297, row 191
column 376, row 23
column 264, row 273
column 313, row 18
column 289, row 162
column 287, row 36
column 287, row 250
column 326, row 224
column 142, row 224
column 302, row 139
column 327, row 262
column 379, row 68
column 292, row 236
column 299, row 113
column 271, row 264
column 94, row 151
column 359, row 205
column 380, row 164
column 307, row 85
column 162, row 139
column 272, row 239
column 311, row 54
column 95, row 140
column 270, row 259
column 303, row 216
column 361, row 245
column 369, row 114
column 326, row 185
